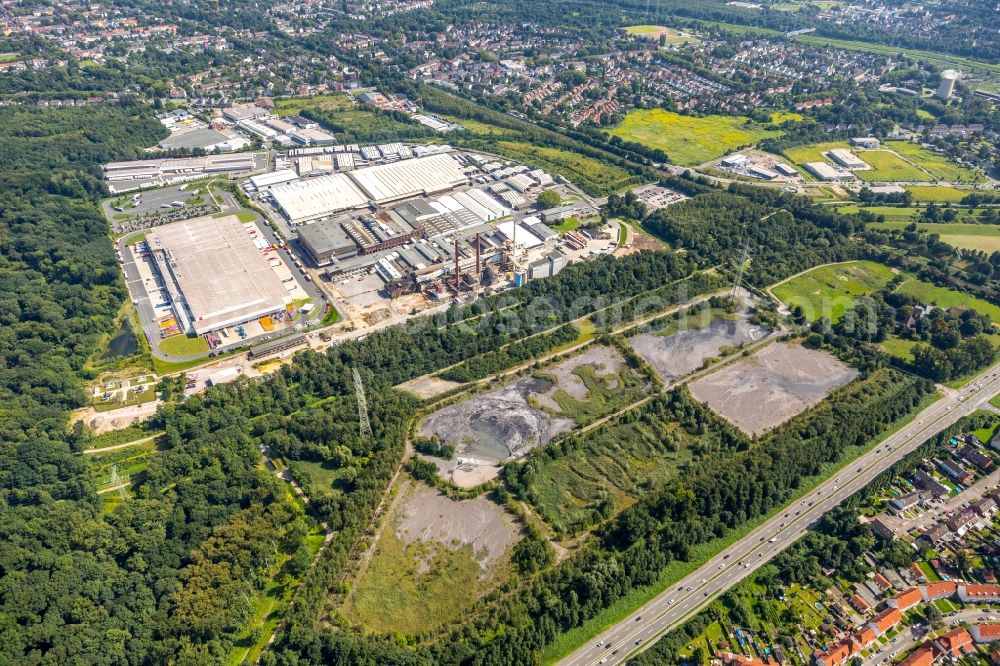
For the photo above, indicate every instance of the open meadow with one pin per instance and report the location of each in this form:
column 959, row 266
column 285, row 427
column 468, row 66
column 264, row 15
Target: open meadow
column 829, row 291
column 691, row 140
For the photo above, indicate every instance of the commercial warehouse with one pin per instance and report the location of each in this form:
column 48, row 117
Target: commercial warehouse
column 214, row 273
column 312, row 199
column 847, row 159
column 824, row 171
column 123, row 176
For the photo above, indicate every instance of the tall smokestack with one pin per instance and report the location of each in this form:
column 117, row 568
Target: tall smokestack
column 456, row 265
column 479, row 264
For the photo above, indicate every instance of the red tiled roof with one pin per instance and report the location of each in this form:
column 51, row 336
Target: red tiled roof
column 908, row 599
column 888, row 619
column 989, row 632
column 882, row 581
column 860, row 603
column 924, row 656
column 955, row 640
column 866, row 636
column 982, row 591
column 942, row 589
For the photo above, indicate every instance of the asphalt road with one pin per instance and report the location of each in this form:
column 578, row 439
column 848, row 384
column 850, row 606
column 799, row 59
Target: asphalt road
column 640, row 629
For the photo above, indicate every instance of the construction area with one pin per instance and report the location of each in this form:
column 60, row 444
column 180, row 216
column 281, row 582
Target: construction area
column 759, row 165
column 770, row 387
column 506, row 422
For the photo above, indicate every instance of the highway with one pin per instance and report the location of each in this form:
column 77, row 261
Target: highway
column 669, row 609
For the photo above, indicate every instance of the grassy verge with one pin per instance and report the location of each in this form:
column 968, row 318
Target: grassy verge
column 571, row 640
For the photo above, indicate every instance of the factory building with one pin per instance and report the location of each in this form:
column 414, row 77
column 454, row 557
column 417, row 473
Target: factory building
column 869, row 142
column 786, row 170
column 847, row 159
column 305, row 201
column 122, row 176
column 826, row 172
column 214, row 274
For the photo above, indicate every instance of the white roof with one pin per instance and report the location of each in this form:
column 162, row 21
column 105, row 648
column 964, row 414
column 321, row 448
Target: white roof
column 222, row 275
column 316, row 197
column 524, row 235
column 409, row 178
column 273, row 178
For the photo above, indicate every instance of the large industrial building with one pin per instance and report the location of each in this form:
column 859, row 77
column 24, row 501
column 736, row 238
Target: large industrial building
column 215, row 275
column 828, row 172
column 315, row 198
column 847, row 159
column 124, row 176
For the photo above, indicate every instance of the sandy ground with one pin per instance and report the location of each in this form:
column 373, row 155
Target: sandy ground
column 115, row 419
column 428, row 386
column 428, row 515
column 772, row 386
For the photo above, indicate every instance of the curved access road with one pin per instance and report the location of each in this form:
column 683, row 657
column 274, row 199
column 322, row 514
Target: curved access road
column 642, row 628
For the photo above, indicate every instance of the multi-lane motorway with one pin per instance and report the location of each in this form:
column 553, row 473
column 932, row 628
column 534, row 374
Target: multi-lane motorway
column 682, row 600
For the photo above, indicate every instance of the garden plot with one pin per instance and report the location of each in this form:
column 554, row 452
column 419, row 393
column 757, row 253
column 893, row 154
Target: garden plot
column 678, row 354
column 772, row 386
column 506, row 422
column 433, row 560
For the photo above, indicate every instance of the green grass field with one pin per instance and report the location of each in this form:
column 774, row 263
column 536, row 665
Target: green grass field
column 673, row 36
column 689, row 140
column 888, row 167
column 946, row 298
column 605, row 474
column 183, row 345
column 937, row 194
column 813, row 152
column 593, row 176
column 292, row 105
column 829, row 291
column 569, row 224
column 937, row 165
column 898, row 347
column 896, row 217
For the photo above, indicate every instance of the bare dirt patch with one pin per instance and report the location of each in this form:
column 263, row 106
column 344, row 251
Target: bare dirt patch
column 674, row 356
column 429, row 515
column 428, row 386
column 772, row 386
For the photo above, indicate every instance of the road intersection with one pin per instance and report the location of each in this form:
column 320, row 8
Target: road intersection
column 640, row 629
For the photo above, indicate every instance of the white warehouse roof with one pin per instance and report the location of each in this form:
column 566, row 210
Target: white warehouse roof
column 311, row 199
column 409, row 178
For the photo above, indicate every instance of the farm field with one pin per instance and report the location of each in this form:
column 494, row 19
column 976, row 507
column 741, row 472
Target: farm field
column 593, row 176
column 506, row 422
column 929, row 293
column 937, row 165
column 689, row 140
column 579, row 483
column 829, row 291
column 770, row 387
column 898, row 347
column 888, row 167
column 434, row 558
column 938, row 193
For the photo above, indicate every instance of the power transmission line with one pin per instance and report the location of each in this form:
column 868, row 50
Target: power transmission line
column 359, row 390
